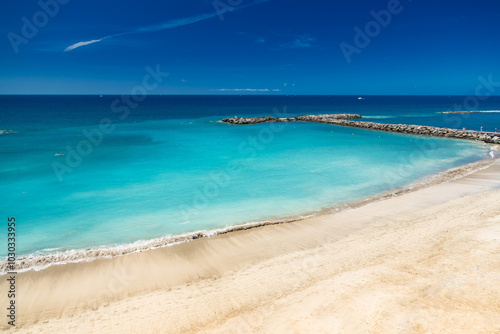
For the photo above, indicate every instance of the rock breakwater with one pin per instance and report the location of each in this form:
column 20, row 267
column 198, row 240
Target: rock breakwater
column 470, row 112
column 6, row 132
column 260, row 119
column 346, row 120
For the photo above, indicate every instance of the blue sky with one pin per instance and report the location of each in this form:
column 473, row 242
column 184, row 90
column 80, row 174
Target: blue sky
column 259, row 47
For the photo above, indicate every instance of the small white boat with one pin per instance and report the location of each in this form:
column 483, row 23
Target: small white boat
column 361, row 98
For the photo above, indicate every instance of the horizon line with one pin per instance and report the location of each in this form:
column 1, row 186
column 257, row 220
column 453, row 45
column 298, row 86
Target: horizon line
column 207, row 94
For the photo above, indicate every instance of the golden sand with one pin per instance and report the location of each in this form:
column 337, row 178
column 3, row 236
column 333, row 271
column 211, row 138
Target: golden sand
column 426, row 261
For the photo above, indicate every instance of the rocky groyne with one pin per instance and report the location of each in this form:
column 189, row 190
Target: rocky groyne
column 6, row 132
column 256, row 120
column 470, row 112
column 346, row 120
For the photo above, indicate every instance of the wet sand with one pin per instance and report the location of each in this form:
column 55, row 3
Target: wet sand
column 425, row 261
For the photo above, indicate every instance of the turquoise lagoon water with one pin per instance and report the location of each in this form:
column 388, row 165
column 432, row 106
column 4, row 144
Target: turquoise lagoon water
column 171, row 167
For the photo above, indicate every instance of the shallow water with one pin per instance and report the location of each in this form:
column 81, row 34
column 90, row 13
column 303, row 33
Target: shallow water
column 156, row 173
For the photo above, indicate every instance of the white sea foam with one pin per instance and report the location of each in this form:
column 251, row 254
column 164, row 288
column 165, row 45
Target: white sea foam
column 379, row 117
column 39, row 261
column 50, row 249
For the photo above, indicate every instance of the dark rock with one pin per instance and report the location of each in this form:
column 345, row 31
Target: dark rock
column 346, row 120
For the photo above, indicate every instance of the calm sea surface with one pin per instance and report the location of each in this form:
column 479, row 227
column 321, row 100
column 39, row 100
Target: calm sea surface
column 83, row 171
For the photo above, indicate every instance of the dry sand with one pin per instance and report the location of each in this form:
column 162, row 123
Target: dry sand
column 424, row 262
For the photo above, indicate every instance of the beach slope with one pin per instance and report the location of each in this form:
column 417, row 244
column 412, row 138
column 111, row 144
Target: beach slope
column 425, row 261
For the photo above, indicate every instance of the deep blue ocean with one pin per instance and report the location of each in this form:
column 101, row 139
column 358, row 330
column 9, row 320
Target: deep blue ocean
column 85, row 171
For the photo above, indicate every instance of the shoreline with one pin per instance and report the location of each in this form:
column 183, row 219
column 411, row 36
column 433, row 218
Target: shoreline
column 44, row 260
column 406, row 252
column 38, row 262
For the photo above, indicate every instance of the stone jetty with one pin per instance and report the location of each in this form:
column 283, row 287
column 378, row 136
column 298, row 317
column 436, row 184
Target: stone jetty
column 346, row 120
column 256, row 120
column 469, row 112
column 6, row 132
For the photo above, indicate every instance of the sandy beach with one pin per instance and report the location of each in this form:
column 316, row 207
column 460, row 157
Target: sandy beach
column 241, row 167
column 426, row 261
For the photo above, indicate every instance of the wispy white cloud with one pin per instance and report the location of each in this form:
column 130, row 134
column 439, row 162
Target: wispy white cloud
column 300, row 42
column 77, row 45
column 167, row 25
